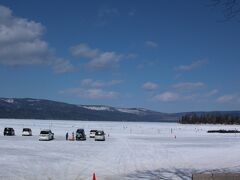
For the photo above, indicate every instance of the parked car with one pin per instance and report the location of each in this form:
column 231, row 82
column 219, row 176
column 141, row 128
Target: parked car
column 92, row 133
column 100, row 136
column 46, row 135
column 8, row 131
column 80, row 135
column 26, row 132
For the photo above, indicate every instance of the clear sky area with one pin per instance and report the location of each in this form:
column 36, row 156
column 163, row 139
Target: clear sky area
column 164, row 55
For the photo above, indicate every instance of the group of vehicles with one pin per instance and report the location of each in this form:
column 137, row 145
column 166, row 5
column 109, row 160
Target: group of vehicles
column 8, row 131
column 96, row 134
column 47, row 134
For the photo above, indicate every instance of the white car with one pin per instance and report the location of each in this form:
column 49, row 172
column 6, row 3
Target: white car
column 100, row 136
column 92, row 133
column 26, row 132
column 46, row 135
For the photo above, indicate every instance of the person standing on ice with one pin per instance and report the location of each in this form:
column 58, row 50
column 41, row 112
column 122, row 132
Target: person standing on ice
column 73, row 136
column 66, row 136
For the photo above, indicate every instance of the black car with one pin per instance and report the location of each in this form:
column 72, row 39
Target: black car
column 8, row 131
column 80, row 135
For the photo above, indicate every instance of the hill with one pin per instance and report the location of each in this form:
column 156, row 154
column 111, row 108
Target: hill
column 28, row 108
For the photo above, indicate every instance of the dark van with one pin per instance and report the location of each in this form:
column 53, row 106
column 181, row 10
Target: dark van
column 80, row 135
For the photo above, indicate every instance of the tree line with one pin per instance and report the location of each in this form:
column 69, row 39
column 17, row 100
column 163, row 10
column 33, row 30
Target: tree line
column 209, row 119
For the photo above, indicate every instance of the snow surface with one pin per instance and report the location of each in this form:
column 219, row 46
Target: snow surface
column 97, row 108
column 132, row 151
column 33, row 100
column 8, row 100
column 132, row 111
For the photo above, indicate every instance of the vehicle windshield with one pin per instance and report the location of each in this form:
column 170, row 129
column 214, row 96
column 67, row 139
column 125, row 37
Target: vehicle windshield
column 26, row 129
column 44, row 132
column 80, row 131
column 93, row 131
column 100, row 133
column 8, row 129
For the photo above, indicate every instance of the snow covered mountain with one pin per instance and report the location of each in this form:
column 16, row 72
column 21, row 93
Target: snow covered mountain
column 28, row 108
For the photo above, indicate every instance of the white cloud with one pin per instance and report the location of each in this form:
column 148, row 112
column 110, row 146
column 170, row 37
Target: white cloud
column 92, row 93
column 4, row 12
column 14, row 29
column 93, row 89
column 166, row 97
column 106, row 59
column 21, row 43
column 191, row 66
column 229, row 98
column 24, row 53
column 150, row 86
column 97, row 59
column 188, row 86
column 83, row 50
column 91, row 83
column 211, row 93
column 62, row 66
column 98, row 83
column 151, row 44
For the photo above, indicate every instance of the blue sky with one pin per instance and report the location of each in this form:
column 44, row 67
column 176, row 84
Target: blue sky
column 168, row 56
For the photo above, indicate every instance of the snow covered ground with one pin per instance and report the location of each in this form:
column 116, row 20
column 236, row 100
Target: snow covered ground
column 132, row 151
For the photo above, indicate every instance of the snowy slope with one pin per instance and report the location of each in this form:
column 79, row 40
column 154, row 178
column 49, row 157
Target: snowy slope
column 7, row 100
column 98, row 108
column 136, row 111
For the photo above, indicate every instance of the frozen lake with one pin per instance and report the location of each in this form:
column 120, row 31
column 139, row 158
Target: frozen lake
column 132, row 151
